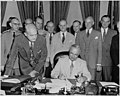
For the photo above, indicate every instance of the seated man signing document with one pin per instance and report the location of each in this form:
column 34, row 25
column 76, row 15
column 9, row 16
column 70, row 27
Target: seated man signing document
column 70, row 66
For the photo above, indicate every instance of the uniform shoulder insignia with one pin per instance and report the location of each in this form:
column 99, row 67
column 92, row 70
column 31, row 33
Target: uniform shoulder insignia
column 5, row 31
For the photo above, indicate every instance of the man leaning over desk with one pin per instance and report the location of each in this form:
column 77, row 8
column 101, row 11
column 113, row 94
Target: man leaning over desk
column 31, row 50
column 69, row 66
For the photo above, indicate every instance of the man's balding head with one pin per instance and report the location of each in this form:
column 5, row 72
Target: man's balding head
column 28, row 21
column 31, row 32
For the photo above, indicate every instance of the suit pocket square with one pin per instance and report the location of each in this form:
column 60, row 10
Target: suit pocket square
column 96, row 37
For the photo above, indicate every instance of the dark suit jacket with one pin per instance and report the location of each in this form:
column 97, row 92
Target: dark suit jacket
column 114, row 50
column 21, row 48
column 91, row 50
column 106, row 58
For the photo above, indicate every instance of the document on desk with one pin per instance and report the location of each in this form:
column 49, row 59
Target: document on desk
column 11, row 80
column 108, row 83
column 57, row 84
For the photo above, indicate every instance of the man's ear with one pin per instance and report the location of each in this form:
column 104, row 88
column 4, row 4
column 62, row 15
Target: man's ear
column 59, row 26
column 10, row 24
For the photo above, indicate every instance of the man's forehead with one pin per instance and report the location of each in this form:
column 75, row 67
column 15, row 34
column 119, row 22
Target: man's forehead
column 15, row 21
column 75, row 23
column 39, row 20
column 50, row 24
column 89, row 20
column 28, row 21
column 106, row 19
column 63, row 22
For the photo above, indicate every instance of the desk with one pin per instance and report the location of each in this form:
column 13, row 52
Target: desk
column 8, row 86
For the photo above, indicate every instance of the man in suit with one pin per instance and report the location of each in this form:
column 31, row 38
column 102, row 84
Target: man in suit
column 76, row 27
column 49, row 36
column 69, row 66
column 107, row 35
column 7, row 40
column 62, row 40
column 90, row 44
column 39, row 23
column 114, row 52
column 32, row 51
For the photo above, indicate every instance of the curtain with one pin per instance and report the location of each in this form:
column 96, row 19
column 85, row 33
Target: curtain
column 116, row 12
column 113, row 12
column 3, row 8
column 91, row 8
column 58, row 10
column 27, row 9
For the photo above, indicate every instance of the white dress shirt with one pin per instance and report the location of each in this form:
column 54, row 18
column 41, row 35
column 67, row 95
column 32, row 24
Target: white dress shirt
column 61, row 34
column 90, row 30
column 102, row 31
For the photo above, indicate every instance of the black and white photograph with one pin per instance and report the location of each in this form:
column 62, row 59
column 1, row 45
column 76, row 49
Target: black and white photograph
column 53, row 47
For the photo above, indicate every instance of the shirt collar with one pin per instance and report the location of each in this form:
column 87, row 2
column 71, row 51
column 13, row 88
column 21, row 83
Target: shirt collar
column 71, row 62
column 90, row 30
column 102, row 30
column 61, row 33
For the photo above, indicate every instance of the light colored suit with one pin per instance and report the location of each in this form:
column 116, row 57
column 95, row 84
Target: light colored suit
column 63, row 67
column 91, row 49
column 6, row 42
column 58, row 46
column 49, row 47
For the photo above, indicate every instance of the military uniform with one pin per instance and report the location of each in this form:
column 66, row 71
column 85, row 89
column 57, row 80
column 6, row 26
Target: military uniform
column 6, row 42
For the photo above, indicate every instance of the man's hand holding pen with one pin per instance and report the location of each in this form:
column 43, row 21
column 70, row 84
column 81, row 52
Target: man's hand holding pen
column 80, row 78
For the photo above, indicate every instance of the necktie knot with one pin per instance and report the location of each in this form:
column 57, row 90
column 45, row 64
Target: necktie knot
column 13, row 34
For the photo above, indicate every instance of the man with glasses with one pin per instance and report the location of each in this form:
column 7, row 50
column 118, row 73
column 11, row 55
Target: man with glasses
column 71, row 66
column 32, row 51
column 7, row 40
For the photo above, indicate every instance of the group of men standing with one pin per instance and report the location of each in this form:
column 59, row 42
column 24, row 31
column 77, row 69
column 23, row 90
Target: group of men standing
column 93, row 46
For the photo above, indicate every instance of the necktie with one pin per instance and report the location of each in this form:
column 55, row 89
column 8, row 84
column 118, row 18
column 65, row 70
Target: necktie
column 31, row 54
column 71, row 67
column 50, row 38
column 11, row 44
column 88, row 33
column 63, row 38
column 104, row 33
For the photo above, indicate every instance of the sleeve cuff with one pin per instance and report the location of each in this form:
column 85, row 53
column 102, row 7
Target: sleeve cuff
column 99, row 64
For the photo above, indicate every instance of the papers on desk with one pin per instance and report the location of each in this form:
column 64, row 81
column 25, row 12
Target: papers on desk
column 11, row 80
column 108, row 83
column 55, row 86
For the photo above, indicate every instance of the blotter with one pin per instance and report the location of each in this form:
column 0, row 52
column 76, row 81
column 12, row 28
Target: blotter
column 16, row 79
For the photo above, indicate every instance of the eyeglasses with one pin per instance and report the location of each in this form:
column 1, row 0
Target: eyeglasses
column 16, row 24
